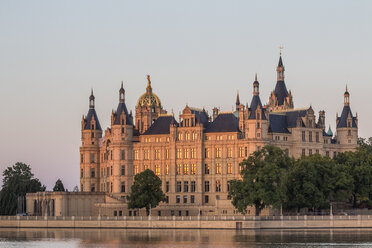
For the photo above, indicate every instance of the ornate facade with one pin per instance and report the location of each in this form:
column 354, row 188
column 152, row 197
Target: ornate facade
column 198, row 155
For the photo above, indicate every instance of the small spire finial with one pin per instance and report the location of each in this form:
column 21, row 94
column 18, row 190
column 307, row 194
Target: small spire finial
column 255, row 77
column 346, row 88
column 91, row 91
column 122, row 84
column 149, row 79
column 237, row 103
column 281, row 48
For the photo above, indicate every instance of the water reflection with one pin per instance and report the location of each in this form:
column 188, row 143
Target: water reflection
column 183, row 238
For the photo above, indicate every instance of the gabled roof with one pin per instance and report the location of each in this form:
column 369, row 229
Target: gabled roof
column 280, row 92
column 88, row 119
column 122, row 107
column 256, row 101
column 161, row 125
column 225, row 122
column 343, row 118
column 278, row 123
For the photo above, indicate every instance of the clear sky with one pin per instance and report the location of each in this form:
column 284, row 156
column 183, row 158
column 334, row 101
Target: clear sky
column 197, row 53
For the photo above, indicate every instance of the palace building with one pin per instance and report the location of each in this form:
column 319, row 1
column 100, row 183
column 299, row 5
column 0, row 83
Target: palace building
column 197, row 155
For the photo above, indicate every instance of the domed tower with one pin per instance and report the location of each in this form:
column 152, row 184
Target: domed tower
column 148, row 108
column 91, row 132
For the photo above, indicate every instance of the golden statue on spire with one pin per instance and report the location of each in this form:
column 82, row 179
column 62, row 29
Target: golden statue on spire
column 148, row 79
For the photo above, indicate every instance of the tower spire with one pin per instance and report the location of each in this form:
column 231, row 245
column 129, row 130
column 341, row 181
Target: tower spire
column 91, row 100
column 346, row 97
column 256, row 86
column 237, row 101
column 121, row 93
column 280, row 67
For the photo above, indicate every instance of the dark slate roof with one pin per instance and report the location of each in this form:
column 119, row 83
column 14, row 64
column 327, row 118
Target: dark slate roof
column 280, row 92
column 91, row 113
column 293, row 115
column 256, row 101
column 200, row 116
column 225, row 122
column 278, row 123
column 343, row 118
column 161, row 125
column 122, row 107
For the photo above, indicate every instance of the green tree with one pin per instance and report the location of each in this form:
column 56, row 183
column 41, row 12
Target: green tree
column 58, row 186
column 18, row 180
column 360, row 166
column 315, row 181
column 146, row 191
column 263, row 180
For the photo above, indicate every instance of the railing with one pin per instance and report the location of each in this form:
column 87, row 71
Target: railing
column 191, row 218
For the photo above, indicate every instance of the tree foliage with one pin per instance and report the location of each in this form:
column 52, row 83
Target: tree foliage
column 263, row 180
column 360, row 166
column 146, row 191
column 18, row 180
column 58, row 186
column 314, row 181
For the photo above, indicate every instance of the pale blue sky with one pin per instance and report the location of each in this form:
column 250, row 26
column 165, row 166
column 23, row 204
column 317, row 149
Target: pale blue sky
column 197, row 52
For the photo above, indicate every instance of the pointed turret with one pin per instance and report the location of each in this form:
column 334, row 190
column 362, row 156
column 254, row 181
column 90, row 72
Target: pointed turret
column 346, row 97
column 91, row 100
column 256, row 86
column 237, row 103
column 121, row 116
column 280, row 99
column 122, row 93
column 280, row 69
column 347, row 124
column 346, row 114
column 329, row 132
column 256, row 102
column 91, row 120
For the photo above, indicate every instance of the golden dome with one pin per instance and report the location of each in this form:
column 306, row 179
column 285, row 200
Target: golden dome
column 149, row 98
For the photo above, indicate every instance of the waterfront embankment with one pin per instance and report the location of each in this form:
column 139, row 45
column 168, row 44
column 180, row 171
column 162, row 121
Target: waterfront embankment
column 190, row 222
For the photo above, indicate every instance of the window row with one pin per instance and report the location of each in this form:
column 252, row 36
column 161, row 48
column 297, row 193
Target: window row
column 106, row 187
column 187, row 136
column 156, row 154
column 156, row 139
column 219, row 137
column 186, row 187
column 310, row 136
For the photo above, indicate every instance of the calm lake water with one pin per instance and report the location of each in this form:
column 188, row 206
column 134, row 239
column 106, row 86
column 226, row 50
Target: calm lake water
column 56, row 238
